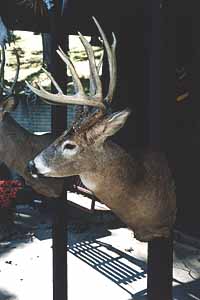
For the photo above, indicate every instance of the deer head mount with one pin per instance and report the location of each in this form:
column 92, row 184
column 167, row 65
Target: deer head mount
column 91, row 126
column 18, row 145
column 139, row 191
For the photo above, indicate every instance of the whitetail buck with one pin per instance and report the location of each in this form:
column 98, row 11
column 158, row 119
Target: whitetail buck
column 17, row 145
column 141, row 192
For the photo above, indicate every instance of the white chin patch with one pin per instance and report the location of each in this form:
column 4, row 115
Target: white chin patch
column 40, row 165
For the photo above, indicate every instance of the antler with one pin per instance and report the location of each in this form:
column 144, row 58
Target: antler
column 95, row 97
column 3, row 60
column 111, row 61
column 3, row 89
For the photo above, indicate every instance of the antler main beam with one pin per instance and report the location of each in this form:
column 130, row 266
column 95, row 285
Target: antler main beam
column 95, row 98
column 80, row 98
column 3, row 89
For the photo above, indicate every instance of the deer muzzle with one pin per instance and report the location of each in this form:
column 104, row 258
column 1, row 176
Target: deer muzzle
column 38, row 168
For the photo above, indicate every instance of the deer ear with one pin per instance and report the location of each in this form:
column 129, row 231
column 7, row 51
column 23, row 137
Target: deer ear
column 115, row 122
column 109, row 126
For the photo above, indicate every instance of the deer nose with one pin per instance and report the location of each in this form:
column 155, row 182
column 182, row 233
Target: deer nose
column 32, row 168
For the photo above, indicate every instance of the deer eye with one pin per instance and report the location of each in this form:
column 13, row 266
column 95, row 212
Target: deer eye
column 69, row 146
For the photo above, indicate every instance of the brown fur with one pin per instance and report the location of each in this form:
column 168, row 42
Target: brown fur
column 139, row 189
column 18, row 146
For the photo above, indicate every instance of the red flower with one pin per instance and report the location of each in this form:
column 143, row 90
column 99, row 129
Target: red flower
column 8, row 191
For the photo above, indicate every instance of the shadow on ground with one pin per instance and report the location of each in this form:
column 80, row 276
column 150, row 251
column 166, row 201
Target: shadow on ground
column 37, row 222
column 183, row 291
column 187, row 291
column 84, row 231
column 115, row 265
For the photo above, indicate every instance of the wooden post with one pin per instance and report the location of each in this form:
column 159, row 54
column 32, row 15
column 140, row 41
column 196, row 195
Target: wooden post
column 59, row 123
column 59, row 236
column 160, row 267
column 161, row 103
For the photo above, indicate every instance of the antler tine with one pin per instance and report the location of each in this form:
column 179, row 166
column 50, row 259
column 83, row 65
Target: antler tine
column 92, row 87
column 95, row 81
column 3, row 59
column 111, row 61
column 100, row 62
column 113, row 80
column 78, row 85
column 16, row 74
column 56, row 85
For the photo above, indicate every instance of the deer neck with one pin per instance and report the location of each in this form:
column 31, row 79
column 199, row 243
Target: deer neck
column 113, row 169
column 13, row 138
column 18, row 146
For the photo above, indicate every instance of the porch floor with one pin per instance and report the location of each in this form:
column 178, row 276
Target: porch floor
column 104, row 259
